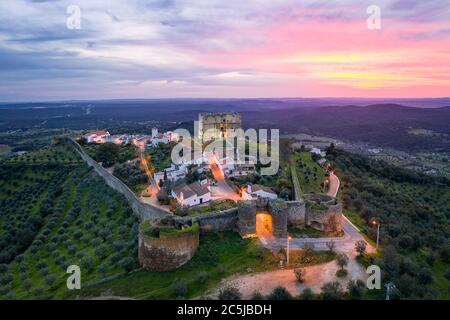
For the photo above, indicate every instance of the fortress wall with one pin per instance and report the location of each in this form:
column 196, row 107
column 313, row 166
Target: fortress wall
column 325, row 220
column 218, row 221
column 142, row 210
column 296, row 213
column 167, row 252
column 279, row 211
column 246, row 222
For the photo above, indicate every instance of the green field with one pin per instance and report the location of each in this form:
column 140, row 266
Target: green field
column 55, row 154
column 414, row 212
column 212, row 206
column 55, row 215
column 310, row 174
column 219, row 255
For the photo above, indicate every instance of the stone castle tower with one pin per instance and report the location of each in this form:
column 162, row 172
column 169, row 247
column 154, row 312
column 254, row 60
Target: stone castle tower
column 215, row 125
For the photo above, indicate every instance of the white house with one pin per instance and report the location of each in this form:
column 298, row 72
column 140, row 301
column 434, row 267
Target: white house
column 97, row 136
column 140, row 141
column 174, row 173
column 172, row 136
column 243, row 169
column 154, row 132
column 192, row 194
column 318, row 151
column 159, row 138
column 258, row 191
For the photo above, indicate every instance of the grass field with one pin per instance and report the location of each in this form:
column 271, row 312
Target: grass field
column 310, row 174
column 219, row 255
column 57, row 214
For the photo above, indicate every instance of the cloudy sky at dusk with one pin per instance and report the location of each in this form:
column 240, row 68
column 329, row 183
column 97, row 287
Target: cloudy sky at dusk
column 216, row 48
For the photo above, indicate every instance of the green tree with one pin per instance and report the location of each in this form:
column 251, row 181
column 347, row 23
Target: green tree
column 280, row 293
column 342, row 260
column 307, row 294
column 332, row 291
column 360, row 247
column 179, row 287
column 300, row 274
column 229, row 293
column 107, row 154
column 356, row 289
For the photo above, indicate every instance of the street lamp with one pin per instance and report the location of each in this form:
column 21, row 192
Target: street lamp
column 287, row 251
column 375, row 222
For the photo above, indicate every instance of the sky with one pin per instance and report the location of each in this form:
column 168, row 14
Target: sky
column 223, row 49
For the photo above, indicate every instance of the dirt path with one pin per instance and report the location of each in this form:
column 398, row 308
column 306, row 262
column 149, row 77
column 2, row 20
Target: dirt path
column 316, row 276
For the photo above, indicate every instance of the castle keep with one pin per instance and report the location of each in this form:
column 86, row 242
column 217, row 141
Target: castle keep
column 218, row 125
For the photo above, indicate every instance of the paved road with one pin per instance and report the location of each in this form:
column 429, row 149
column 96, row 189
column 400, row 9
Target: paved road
column 334, row 185
column 223, row 189
column 345, row 243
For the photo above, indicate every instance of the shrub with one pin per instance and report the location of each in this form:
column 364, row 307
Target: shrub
column 257, row 296
column 87, row 263
column 201, row 277
column 332, row 291
column 331, row 245
column 342, row 260
column 341, row 273
column 179, row 287
column 360, row 247
column 26, row 284
column 128, row 264
column 101, row 251
column 356, row 289
column 3, row 268
column 280, row 293
column 50, row 279
column 307, row 294
column 300, row 274
column 229, row 293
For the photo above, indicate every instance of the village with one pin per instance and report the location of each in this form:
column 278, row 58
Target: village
column 209, row 180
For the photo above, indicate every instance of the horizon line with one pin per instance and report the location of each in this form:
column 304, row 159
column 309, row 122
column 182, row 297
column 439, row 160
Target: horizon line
column 219, row 98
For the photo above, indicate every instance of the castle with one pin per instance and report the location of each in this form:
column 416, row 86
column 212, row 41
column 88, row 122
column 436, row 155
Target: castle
column 218, row 125
column 250, row 218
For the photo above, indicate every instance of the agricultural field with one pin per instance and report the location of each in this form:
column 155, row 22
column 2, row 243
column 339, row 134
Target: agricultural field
column 53, row 154
column 219, row 255
column 310, row 174
column 59, row 213
column 413, row 210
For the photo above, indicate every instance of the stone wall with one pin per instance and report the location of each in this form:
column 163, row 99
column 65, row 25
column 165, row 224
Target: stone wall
column 325, row 220
column 142, row 210
column 166, row 252
column 296, row 213
column 279, row 211
column 246, row 223
column 218, row 221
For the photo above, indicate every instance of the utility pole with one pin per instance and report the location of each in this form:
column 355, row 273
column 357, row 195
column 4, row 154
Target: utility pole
column 287, row 250
column 375, row 222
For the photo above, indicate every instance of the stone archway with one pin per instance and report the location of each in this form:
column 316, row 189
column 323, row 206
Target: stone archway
column 268, row 215
column 264, row 225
